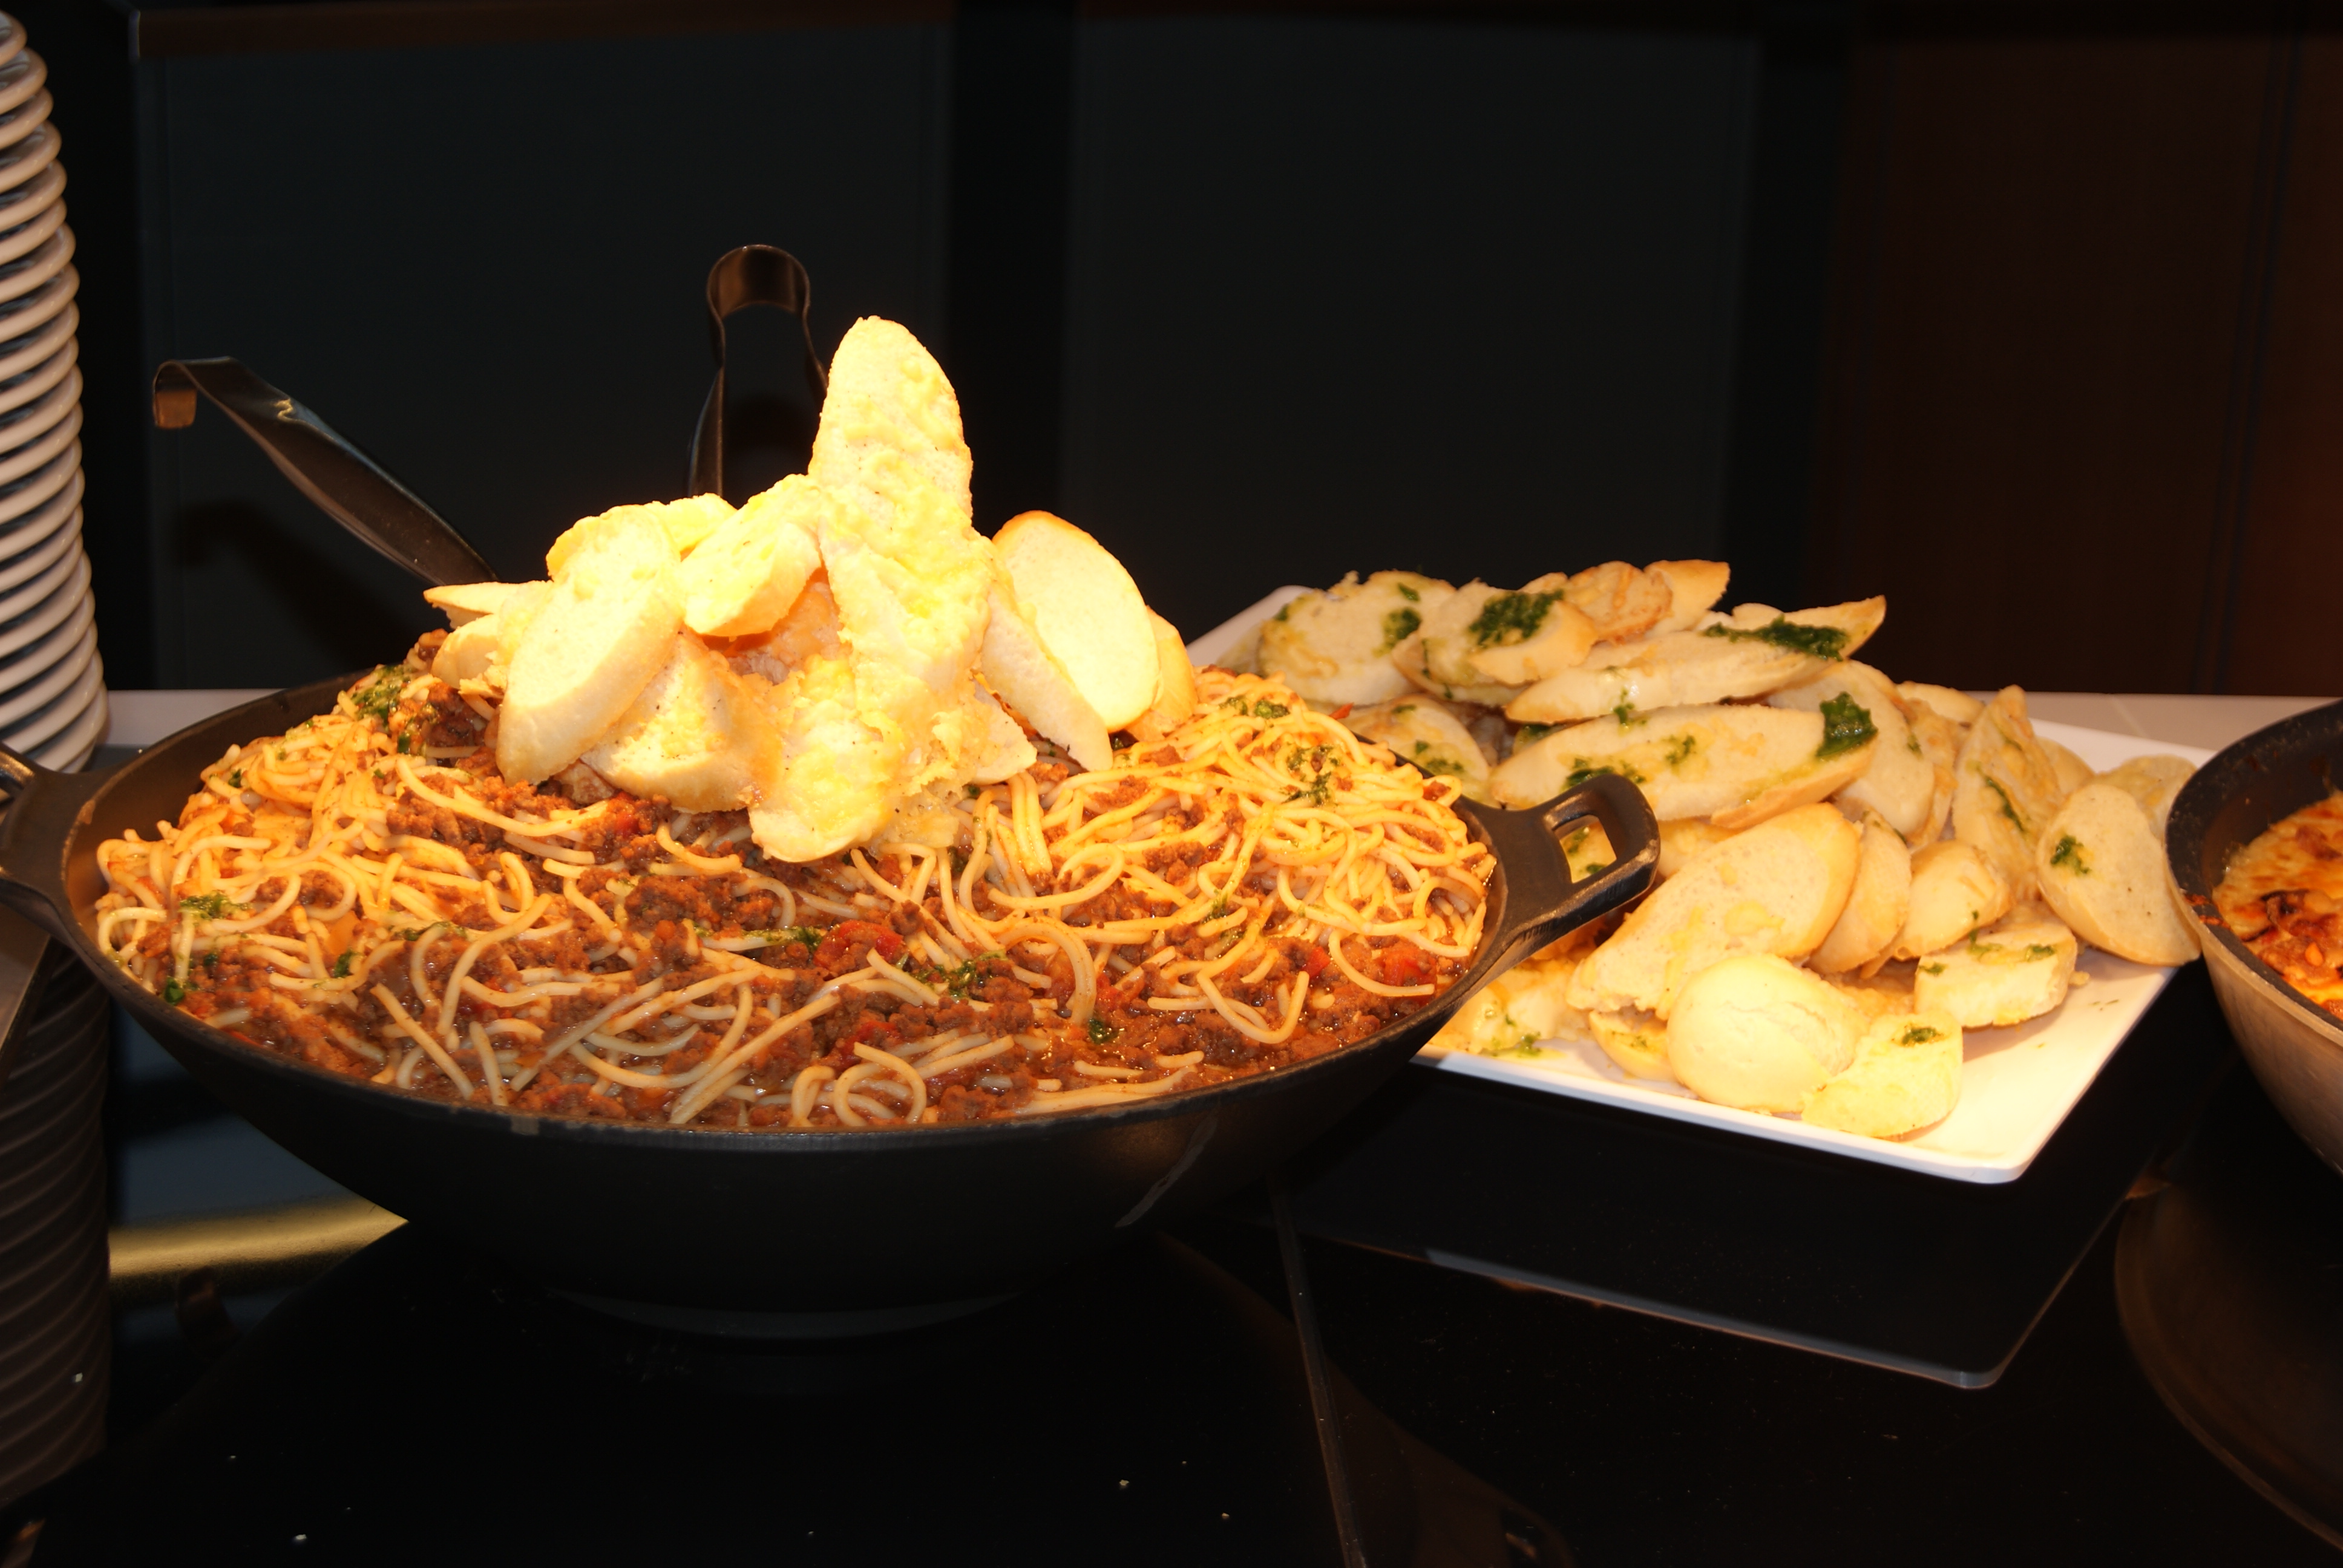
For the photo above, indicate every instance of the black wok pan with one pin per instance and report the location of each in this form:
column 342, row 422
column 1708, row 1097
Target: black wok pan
column 909, row 1221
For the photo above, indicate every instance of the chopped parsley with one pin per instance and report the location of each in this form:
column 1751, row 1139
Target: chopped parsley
column 1510, row 617
column 1398, row 627
column 1408, row 593
column 1531, row 734
column 174, row 992
column 1627, row 715
column 1265, row 709
column 1932, row 968
column 2008, row 810
column 1919, row 1034
column 1681, row 747
column 379, row 695
column 971, row 790
column 419, row 933
column 342, row 966
column 1912, row 744
column 2069, row 854
column 1100, row 1031
column 235, row 779
column 1238, row 703
column 1583, row 769
column 209, row 906
column 1846, row 726
column 1814, row 641
column 1440, row 763
column 1403, row 710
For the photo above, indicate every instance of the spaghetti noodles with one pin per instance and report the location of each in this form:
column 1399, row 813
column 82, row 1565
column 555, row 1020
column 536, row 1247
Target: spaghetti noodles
column 367, row 893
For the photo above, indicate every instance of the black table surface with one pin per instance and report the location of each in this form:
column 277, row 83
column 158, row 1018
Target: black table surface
column 415, row 1404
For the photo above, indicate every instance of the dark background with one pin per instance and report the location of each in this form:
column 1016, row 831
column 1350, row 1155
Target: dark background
column 2024, row 316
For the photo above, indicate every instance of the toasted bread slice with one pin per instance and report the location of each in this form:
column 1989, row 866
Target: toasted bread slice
column 1000, row 747
column 684, row 523
column 1175, row 683
column 1621, row 601
column 1735, row 765
column 1906, row 1075
column 2072, row 770
column 824, row 779
column 1438, row 657
column 1757, row 1032
column 688, row 736
column 2155, row 782
column 1539, row 629
column 2102, row 868
column 1875, row 907
column 1521, row 1009
column 466, row 602
column 1956, row 888
column 469, row 652
column 606, row 626
column 1693, row 587
column 1777, row 888
column 2003, row 789
column 744, row 577
column 1680, row 841
column 1419, row 731
column 1635, row 1041
column 2017, row 969
column 1898, row 782
column 1939, row 739
column 890, row 416
column 1019, row 665
column 1956, row 708
column 1087, row 610
column 1334, row 647
column 1751, row 652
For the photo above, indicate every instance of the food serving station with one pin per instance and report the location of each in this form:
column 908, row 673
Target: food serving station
column 790, row 1013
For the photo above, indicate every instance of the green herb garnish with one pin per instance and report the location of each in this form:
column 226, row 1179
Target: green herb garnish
column 1919, row 1034
column 1681, row 747
column 235, row 779
column 1408, row 593
column 1846, row 726
column 1531, row 734
column 1265, row 709
column 1932, row 968
column 209, row 906
column 342, row 966
column 1814, row 641
column 1510, row 617
column 1398, row 627
column 1100, row 1033
column 2069, row 854
column 2008, row 810
column 379, row 695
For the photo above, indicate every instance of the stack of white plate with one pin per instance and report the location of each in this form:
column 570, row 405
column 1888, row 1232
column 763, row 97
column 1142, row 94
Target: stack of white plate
column 51, row 686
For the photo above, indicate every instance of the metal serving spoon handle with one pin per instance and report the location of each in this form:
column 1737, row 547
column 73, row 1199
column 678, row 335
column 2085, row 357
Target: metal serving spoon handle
column 350, row 487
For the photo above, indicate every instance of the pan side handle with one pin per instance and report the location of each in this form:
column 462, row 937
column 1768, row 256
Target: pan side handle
column 44, row 807
column 1542, row 901
column 748, row 275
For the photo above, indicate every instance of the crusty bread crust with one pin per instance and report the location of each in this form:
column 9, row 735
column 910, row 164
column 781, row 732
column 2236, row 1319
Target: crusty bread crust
column 1088, row 611
column 603, row 630
column 744, row 577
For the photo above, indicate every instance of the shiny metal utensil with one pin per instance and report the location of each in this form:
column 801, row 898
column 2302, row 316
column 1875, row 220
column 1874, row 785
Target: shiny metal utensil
column 749, row 275
column 349, row 486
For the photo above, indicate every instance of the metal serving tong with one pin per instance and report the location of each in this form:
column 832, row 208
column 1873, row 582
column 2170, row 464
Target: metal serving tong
column 359, row 493
column 351, row 487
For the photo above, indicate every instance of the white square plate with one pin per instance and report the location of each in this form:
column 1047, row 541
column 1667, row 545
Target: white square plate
column 2016, row 1084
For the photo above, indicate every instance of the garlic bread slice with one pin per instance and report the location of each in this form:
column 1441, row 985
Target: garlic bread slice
column 2005, row 788
column 743, row 577
column 1419, row 731
column 2155, row 782
column 1175, row 683
column 1620, row 602
column 684, row 522
column 1760, row 1033
column 1437, row 656
column 1636, row 1041
column 1335, row 647
column 469, row 652
column 1693, row 588
column 2016, row 968
column 688, row 736
column 1906, row 1075
column 1087, row 610
column 1777, row 888
column 1746, row 654
column 1688, row 761
column 466, row 602
column 1875, row 906
column 1898, row 782
column 1954, row 890
column 606, row 625
column 1957, row 708
column 1518, row 1010
column 1019, row 665
column 2101, row 866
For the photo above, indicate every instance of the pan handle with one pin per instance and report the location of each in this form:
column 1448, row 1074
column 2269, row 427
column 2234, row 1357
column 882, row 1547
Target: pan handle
column 44, row 807
column 351, row 487
column 1542, row 901
column 750, row 275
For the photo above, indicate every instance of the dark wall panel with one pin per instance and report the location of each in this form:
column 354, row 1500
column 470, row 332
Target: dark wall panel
column 2284, row 605
column 1353, row 294
column 2047, row 252
column 485, row 266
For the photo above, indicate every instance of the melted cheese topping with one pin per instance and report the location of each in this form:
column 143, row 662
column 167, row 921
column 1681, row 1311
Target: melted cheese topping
column 2283, row 897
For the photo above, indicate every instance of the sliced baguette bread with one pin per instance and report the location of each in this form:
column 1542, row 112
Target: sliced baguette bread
column 684, row 522
column 1175, row 683
column 1087, row 610
column 2016, row 968
column 1758, row 1032
column 1019, row 665
column 2101, row 866
column 687, row 737
column 465, row 602
column 744, row 577
column 1906, row 1075
column 1876, row 905
column 606, row 626
column 1954, row 890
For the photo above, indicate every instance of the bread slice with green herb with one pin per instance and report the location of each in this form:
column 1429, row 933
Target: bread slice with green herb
column 1898, row 782
column 1777, row 888
column 1906, row 1075
column 1335, row 647
column 1735, row 764
column 2101, row 866
column 2005, row 788
column 1753, row 651
column 1875, row 906
column 2018, row 968
column 1419, row 731
column 1437, row 656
